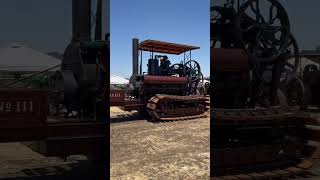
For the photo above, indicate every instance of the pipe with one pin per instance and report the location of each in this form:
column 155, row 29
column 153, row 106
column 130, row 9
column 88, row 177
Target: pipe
column 98, row 28
column 140, row 68
column 81, row 20
column 135, row 56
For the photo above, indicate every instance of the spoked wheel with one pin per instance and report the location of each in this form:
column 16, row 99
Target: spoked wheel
column 192, row 70
column 193, row 73
column 222, row 27
column 216, row 15
column 263, row 29
column 293, row 61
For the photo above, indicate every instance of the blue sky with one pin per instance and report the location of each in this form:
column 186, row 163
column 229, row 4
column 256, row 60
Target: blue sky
column 46, row 25
column 177, row 21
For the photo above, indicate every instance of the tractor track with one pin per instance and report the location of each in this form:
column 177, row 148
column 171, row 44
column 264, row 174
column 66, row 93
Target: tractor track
column 163, row 107
column 254, row 165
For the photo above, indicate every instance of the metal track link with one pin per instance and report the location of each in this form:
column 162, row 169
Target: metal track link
column 275, row 116
column 164, row 107
column 287, row 173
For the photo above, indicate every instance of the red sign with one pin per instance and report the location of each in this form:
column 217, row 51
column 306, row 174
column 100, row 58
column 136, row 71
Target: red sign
column 117, row 97
column 21, row 107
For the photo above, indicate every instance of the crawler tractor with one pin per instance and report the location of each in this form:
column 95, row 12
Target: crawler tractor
column 257, row 128
column 166, row 91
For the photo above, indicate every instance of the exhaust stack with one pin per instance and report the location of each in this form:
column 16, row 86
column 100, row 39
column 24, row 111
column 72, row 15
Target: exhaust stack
column 81, row 20
column 135, row 56
column 98, row 29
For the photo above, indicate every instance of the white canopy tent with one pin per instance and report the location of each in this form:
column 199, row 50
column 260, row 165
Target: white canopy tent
column 117, row 80
column 17, row 58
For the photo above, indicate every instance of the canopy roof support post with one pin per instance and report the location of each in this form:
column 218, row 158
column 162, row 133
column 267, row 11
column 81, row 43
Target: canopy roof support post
column 141, row 61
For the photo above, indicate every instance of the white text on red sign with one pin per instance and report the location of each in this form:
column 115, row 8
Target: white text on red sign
column 17, row 106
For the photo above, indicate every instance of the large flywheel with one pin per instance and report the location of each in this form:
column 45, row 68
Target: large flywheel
column 263, row 29
column 192, row 71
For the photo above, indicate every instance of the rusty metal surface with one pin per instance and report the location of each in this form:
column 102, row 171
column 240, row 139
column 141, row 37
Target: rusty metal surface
column 258, row 143
column 165, row 80
column 169, row 107
column 23, row 117
column 22, row 107
column 165, row 47
column 264, row 158
column 229, row 60
column 261, row 116
column 117, row 97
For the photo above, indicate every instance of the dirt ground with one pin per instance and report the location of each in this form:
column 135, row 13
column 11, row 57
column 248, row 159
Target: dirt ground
column 169, row 150
column 17, row 162
column 139, row 150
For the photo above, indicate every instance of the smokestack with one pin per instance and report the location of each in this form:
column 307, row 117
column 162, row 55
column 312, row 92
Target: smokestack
column 135, row 56
column 98, row 29
column 81, row 20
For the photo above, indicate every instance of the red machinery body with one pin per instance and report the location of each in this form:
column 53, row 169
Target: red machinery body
column 165, row 80
column 25, row 113
column 152, row 85
column 27, row 106
column 229, row 60
column 230, row 72
column 24, row 117
column 117, row 97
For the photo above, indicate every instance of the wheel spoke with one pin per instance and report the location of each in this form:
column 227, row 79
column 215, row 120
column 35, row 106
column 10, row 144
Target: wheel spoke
column 250, row 27
column 271, row 38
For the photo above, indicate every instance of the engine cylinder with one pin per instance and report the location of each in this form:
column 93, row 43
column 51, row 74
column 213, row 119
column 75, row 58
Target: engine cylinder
column 231, row 60
column 153, row 67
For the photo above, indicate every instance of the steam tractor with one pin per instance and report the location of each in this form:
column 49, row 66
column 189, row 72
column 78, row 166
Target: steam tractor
column 44, row 116
column 257, row 128
column 166, row 91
